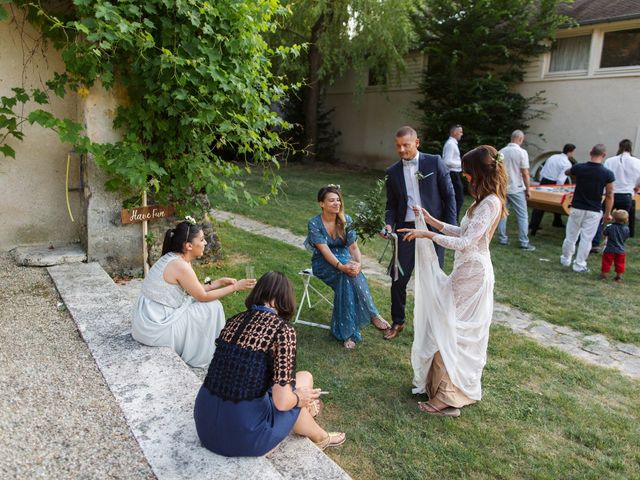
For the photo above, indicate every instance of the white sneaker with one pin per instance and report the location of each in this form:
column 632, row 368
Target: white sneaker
column 580, row 269
column 564, row 262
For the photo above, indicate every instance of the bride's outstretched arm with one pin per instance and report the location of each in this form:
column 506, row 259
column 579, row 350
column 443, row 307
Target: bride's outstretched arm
column 483, row 218
column 439, row 225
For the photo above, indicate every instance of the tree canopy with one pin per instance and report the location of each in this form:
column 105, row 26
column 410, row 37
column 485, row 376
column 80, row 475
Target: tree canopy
column 477, row 50
column 341, row 34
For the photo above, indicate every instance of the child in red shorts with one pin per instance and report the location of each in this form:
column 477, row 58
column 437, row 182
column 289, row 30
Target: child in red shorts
column 616, row 234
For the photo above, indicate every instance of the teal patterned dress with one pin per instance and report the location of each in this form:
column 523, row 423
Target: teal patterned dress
column 352, row 302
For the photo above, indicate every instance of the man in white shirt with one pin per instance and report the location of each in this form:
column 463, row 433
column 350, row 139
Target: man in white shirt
column 553, row 173
column 516, row 160
column 626, row 169
column 451, row 157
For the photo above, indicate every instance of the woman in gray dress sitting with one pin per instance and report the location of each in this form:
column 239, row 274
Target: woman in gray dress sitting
column 176, row 310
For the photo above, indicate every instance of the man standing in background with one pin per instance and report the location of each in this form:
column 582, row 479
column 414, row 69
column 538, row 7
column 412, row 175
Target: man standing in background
column 553, row 173
column 516, row 160
column 591, row 179
column 626, row 169
column 451, row 157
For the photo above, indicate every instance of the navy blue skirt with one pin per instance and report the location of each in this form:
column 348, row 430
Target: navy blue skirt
column 249, row 428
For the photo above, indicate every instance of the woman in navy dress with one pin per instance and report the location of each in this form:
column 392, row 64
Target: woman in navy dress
column 336, row 261
column 252, row 397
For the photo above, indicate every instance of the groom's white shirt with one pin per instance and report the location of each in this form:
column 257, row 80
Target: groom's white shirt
column 413, row 189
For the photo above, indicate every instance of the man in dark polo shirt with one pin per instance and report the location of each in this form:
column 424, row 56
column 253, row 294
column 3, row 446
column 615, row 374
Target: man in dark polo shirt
column 591, row 179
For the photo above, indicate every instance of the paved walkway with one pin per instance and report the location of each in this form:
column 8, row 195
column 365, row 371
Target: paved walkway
column 594, row 349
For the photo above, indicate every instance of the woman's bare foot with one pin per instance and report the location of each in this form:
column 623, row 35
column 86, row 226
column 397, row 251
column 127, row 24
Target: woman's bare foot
column 380, row 323
column 432, row 406
column 434, row 409
column 349, row 344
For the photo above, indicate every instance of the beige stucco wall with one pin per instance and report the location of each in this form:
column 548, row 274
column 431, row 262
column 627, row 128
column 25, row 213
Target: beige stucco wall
column 368, row 125
column 585, row 112
column 33, row 184
column 598, row 105
column 368, row 120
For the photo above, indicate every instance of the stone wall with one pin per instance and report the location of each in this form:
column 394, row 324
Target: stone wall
column 34, row 209
column 117, row 247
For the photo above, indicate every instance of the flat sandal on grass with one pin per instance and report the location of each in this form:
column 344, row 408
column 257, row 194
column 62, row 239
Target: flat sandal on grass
column 333, row 439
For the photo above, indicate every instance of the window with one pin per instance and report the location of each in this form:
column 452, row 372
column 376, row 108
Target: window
column 570, row 54
column 621, row 49
column 377, row 76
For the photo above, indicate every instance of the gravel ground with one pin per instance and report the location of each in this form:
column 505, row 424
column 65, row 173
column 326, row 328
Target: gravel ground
column 58, row 419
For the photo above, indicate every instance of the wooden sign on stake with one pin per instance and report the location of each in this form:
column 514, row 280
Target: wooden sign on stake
column 145, row 214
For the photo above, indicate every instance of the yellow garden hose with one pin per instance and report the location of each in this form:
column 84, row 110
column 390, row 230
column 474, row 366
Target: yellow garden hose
column 66, row 189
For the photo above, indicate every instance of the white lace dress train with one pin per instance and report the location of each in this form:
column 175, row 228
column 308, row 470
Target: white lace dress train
column 453, row 313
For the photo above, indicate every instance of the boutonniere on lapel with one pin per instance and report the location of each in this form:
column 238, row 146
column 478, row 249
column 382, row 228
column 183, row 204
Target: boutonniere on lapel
column 421, row 176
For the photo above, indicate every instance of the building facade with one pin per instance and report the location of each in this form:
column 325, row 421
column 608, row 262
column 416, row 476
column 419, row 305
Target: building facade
column 590, row 79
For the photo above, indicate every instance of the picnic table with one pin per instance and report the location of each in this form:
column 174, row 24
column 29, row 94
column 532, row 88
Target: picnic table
column 555, row 198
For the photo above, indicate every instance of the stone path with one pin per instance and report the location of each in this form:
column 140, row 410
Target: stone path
column 594, row 349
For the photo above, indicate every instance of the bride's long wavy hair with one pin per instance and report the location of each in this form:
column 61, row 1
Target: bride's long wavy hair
column 488, row 175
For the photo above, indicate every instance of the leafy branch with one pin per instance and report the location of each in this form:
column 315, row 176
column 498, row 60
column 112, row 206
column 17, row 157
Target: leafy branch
column 368, row 213
column 11, row 122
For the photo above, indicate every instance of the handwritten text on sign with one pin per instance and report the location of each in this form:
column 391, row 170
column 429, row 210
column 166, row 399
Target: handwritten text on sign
column 150, row 213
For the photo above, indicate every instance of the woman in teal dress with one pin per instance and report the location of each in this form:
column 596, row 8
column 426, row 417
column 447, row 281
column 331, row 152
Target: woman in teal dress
column 336, row 261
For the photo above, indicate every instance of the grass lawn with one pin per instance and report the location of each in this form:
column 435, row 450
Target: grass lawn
column 544, row 415
column 532, row 281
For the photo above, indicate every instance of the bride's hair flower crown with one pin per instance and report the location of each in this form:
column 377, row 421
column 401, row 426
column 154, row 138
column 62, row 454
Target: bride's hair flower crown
column 499, row 157
column 190, row 220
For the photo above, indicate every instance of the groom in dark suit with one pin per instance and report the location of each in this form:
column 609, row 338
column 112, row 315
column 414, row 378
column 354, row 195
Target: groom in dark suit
column 417, row 180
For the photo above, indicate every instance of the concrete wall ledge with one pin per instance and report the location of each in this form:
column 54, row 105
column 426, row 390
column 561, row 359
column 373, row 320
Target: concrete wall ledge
column 48, row 255
column 155, row 390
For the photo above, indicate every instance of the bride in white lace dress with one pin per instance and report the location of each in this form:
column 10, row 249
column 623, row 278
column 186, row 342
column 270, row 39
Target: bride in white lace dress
column 453, row 312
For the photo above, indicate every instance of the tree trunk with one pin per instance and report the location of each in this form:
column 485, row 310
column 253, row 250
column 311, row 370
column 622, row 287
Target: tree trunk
column 312, row 92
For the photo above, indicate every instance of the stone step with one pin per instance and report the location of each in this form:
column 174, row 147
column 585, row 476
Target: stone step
column 155, row 390
column 48, row 255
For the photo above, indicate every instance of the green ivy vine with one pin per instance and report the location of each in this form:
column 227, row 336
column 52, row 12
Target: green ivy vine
column 198, row 83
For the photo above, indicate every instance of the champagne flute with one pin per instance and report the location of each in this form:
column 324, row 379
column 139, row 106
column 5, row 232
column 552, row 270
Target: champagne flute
column 250, row 271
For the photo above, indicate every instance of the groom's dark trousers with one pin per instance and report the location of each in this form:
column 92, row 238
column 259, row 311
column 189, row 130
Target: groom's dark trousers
column 437, row 197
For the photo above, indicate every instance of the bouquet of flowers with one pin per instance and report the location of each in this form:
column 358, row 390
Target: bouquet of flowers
column 368, row 214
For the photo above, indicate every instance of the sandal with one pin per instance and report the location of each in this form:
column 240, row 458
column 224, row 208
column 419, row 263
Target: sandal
column 349, row 344
column 380, row 323
column 315, row 407
column 333, row 439
column 444, row 412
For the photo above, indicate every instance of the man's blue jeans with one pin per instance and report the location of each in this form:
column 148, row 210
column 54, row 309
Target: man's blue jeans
column 518, row 203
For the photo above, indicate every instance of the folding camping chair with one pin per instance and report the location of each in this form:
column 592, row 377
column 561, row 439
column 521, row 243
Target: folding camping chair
column 306, row 275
